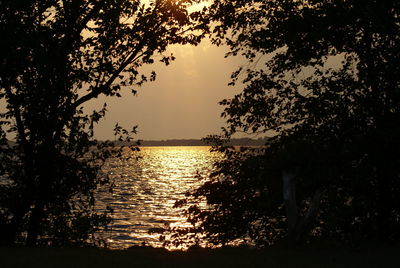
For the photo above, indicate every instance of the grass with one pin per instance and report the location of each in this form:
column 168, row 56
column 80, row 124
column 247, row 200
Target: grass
column 365, row 256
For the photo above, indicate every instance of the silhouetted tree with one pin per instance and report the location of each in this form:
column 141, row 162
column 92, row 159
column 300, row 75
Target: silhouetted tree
column 57, row 55
column 323, row 80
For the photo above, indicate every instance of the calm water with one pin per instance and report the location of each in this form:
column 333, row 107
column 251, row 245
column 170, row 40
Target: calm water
column 146, row 190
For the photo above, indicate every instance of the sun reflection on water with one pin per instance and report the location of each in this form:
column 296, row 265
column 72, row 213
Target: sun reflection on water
column 146, row 190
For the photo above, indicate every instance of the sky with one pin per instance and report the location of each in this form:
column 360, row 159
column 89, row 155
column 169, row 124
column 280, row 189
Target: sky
column 183, row 101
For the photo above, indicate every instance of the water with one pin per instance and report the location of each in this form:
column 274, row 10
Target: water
column 146, row 190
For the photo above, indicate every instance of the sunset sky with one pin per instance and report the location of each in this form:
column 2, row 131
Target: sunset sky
column 182, row 103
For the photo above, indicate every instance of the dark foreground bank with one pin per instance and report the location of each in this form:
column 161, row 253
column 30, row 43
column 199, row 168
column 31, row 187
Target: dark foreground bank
column 367, row 256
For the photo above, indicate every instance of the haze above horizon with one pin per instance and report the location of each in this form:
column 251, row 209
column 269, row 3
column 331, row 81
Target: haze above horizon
column 183, row 101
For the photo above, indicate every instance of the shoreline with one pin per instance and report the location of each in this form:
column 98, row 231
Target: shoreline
column 374, row 255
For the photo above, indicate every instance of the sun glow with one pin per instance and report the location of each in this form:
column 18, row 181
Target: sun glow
column 198, row 6
column 192, row 6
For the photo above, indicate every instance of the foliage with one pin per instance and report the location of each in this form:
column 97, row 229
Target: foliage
column 56, row 56
column 236, row 204
column 323, row 81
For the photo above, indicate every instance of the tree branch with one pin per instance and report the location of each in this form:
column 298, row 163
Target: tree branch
column 132, row 57
column 103, row 88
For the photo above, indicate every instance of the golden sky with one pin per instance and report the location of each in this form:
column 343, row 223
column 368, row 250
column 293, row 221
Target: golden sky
column 182, row 103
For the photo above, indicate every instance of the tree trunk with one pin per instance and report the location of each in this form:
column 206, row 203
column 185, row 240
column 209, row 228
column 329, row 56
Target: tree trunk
column 297, row 226
column 34, row 224
column 289, row 198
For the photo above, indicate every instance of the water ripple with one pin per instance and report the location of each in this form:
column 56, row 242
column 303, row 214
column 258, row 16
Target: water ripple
column 146, row 190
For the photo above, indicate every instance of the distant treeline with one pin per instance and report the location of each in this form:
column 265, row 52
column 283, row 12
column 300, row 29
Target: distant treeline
column 189, row 142
column 196, row 142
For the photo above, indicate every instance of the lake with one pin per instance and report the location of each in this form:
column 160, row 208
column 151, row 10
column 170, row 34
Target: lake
column 147, row 188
